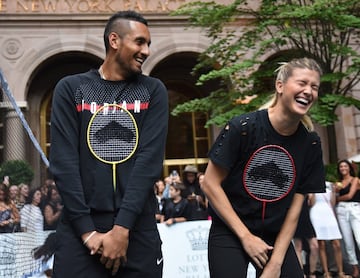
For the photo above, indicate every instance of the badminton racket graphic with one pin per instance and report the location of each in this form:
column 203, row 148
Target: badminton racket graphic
column 269, row 175
column 112, row 135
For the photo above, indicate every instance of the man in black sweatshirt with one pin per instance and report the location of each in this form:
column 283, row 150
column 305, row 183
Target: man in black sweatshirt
column 109, row 229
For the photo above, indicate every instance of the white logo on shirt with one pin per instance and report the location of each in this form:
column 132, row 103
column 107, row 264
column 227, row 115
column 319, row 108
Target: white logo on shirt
column 158, row 261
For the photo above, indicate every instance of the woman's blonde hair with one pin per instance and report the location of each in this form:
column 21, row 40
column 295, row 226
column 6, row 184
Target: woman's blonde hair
column 284, row 71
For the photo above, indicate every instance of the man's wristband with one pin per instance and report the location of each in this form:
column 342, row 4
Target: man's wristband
column 174, row 220
column 88, row 238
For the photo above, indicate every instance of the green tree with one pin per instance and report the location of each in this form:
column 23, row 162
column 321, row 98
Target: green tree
column 326, row 30
column 19, row 171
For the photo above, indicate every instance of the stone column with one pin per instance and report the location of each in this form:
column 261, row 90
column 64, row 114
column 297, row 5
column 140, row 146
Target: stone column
column 14, row 140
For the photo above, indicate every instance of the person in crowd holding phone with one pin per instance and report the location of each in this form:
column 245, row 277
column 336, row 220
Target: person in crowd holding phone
column 194, row 194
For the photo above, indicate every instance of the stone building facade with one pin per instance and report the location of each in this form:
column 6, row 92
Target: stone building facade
column 43, row 40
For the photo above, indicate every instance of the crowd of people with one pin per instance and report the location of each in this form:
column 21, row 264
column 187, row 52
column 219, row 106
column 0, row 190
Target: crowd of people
column 327, row 219
column 181, row 198
column 330, row 220
column 25, row 209
column 331, row 217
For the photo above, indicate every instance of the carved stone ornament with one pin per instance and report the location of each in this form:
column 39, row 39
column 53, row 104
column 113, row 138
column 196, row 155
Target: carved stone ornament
column 12, row 49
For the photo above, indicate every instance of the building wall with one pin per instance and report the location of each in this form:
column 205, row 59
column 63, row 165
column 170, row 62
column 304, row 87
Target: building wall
column 32, row 32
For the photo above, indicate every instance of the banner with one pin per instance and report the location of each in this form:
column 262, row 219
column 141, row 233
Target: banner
column 185, row 250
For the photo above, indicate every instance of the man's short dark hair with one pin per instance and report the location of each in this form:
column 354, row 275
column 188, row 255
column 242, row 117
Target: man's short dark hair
column 111, row 25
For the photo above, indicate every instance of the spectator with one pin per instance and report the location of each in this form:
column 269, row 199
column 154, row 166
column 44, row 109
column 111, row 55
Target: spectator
column 159, row 191
column 305, row 231
column 348, row 211
column 52, row 208
column 13, row 192
column 176, row 209
column 22, row 196
column 326, row 227
column 9, row 215
column 190, row 181
column 45, row 253
column 194, row 194
column 44, row 192
column 32, row 219
column 200, row 177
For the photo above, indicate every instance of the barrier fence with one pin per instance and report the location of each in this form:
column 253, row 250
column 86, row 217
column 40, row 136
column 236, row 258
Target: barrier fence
column 184, row 250
column 15, row 253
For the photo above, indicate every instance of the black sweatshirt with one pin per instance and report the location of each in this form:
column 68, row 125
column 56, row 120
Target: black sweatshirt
column 84, row 182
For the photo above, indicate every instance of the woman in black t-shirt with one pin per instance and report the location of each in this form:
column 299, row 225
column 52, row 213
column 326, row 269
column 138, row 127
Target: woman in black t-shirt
column 52, row 208
column 245, row 229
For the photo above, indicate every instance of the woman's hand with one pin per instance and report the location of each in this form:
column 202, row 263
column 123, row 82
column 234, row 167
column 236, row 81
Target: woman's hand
column 271, row 270
column 257, row 249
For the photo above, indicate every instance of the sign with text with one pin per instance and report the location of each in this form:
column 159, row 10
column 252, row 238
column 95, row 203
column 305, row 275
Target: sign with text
column 185, row 250
column 89, row 6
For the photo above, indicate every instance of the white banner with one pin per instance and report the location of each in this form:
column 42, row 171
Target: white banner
column 185, row 250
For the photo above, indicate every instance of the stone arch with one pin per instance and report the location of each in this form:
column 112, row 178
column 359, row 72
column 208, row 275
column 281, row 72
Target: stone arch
column 38, row 93
column 34, row 58
column 167, row 47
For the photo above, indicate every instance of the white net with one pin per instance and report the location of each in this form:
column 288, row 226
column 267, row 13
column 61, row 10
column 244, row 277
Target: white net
column 16, row 259
column 12, row 112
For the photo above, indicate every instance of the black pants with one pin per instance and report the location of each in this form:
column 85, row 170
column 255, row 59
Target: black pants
column 73, row 259
column 228, row 259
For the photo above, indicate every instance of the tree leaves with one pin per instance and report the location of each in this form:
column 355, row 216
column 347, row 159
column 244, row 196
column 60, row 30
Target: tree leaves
column 326, row 30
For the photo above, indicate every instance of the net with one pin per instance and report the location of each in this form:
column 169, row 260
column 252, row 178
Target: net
column 9, row 123
column 15, row 253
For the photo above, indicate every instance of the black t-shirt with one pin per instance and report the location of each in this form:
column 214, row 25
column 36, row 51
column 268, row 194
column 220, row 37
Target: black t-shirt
column 191, row 188
column 238, row 141
column 179, row 209
column 346, row 190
